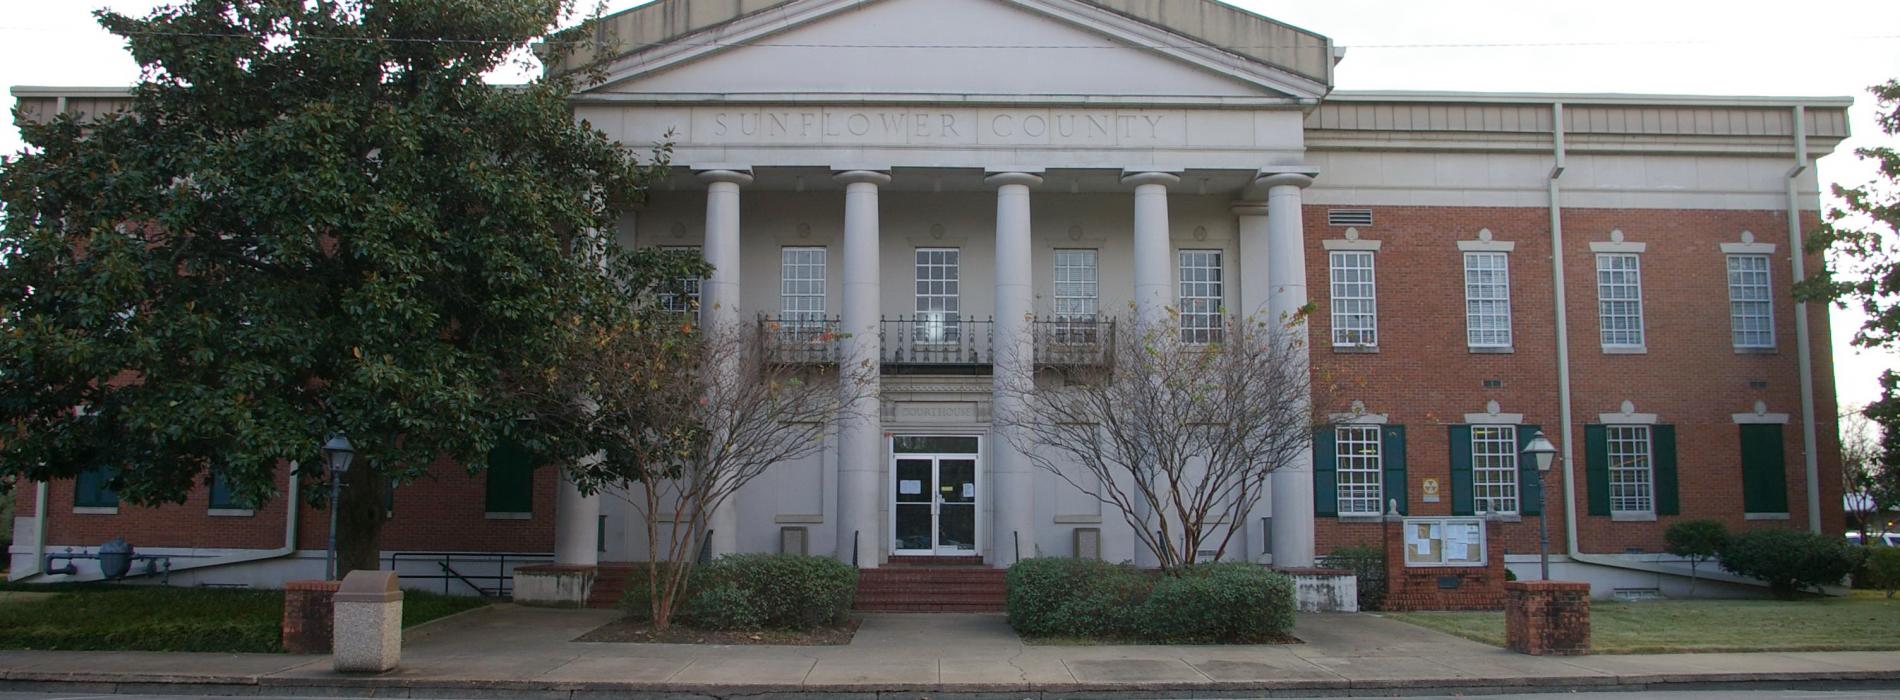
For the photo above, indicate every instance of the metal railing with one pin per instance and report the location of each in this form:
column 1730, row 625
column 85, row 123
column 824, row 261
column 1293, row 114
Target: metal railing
column 1075, row 342
column 800, row 340
column 497, row 569
column 937, row 339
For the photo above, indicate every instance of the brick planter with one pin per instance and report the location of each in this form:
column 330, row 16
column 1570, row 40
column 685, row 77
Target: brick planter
column 308, row 611
column 1547, row 618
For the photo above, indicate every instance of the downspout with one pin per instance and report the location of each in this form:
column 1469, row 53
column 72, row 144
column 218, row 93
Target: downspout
column 39, row 495
column 1563, row 329
column 1803, row 353
column 289, row 548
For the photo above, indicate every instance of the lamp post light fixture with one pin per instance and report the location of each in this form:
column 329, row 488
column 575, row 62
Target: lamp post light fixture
column 1543, row 453
column 337, row 454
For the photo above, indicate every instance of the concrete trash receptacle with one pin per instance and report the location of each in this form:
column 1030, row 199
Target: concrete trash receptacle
column 368, row 626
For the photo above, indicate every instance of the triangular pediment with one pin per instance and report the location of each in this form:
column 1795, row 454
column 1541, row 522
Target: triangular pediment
column 1024, row 49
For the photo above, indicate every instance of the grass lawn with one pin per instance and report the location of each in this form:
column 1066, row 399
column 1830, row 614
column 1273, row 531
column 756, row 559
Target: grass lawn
column 153, row 618
column 1864, row 620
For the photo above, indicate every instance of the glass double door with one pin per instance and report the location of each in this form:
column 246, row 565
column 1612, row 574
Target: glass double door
column 936, row 504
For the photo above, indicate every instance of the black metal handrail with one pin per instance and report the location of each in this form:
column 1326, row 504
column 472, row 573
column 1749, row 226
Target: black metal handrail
column 800, row 340
column 945, row 338
column 503, row 578
column 1087, row 341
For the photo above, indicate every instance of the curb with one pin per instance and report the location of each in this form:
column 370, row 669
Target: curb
column 394, row 687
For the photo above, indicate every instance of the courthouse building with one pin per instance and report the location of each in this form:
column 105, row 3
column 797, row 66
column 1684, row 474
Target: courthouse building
column 1613, row 270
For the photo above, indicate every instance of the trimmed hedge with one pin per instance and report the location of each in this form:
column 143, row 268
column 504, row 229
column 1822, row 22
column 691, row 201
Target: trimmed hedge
column 758, row 591
column 1789, row 560
column 1209, row 603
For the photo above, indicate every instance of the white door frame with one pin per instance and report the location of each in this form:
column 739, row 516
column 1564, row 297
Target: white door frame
column 890, row 496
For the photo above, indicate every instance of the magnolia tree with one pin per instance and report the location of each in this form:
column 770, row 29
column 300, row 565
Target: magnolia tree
column 686, row 416
column 1178, row 437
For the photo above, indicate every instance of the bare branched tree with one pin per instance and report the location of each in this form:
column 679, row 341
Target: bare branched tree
column 1179, row 433
column 690, row 416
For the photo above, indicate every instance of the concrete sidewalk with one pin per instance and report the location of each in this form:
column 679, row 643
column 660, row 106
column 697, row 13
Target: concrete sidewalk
column 515, row 652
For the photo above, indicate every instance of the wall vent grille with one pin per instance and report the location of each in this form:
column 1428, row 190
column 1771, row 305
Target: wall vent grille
column 1349, row 217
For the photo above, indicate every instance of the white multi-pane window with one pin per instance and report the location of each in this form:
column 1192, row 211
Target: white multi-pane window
column 1488, row 300
column 1628, row 451
column 1751, row 307
column 1077, row 298
column 1355, row 302
column 1494, row 468
column 802, row 288
column 939, row 313
column 1201, row 296
column 1360, row 465
column 689, row 303
column 1620, row 299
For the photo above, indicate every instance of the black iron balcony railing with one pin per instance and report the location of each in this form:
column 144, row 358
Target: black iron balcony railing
column 938, row 340
column 800, row 340
column 1075, row 342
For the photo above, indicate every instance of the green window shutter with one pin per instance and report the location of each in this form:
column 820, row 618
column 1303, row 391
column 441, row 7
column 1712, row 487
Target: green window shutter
column 92, row 488
column 1530, row 482
column 510, row 479
column 1596, row 467
column 1463, row 501
column 1394, row 454
column 1662, row 447
column 1764, row 469
column 1325, row 472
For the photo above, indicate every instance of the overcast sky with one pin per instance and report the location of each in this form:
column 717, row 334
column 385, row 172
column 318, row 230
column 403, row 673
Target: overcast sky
column 1740, row 47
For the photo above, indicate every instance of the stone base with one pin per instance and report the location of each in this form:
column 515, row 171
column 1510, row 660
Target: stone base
column 554, row 585
column 308, row 610
column 1544, row 618
column 1324, row 590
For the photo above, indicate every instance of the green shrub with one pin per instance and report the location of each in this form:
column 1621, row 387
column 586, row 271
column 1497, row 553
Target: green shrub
column 1367, row 563
column 1037, row 589
column 1789, row 560
column 770, row 591
column 1883, row 569
column 1232, row 602
column 1106, row 606
column 1210, row 603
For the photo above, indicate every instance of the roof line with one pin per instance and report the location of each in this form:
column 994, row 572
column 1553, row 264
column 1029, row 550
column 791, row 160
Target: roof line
column 1589, row 98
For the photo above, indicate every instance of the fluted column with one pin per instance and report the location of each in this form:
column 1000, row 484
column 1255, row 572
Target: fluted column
column 1292, row 484
column 1153, row 267
column 1013, row 534
column 719, row 311
column 860, row 439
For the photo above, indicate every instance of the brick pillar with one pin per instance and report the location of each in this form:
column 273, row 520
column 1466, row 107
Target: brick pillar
column 308, row 612
column 1545, row 618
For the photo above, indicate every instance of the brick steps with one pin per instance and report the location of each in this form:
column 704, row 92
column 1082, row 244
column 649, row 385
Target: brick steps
column 931, row 584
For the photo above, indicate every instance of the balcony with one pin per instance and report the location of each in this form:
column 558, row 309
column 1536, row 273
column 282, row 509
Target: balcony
column 938, row 343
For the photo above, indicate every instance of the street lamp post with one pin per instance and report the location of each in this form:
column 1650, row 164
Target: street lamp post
column 337, row 454
column 1540, row 450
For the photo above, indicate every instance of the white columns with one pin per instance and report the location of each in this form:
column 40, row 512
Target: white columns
column 1254, row 259
column 1153, row 271
column 860, row 439
column 1292, row 485
column 719, row 310
column 1013, row 534
column 576, row 526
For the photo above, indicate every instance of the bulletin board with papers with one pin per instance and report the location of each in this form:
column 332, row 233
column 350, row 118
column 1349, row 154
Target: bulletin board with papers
column 1444, row 542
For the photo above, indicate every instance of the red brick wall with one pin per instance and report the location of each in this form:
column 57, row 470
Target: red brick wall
column 443, row 511
column 1425, row 378
column 309, row 616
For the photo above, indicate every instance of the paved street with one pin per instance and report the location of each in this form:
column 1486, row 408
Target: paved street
column 1626, row 695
